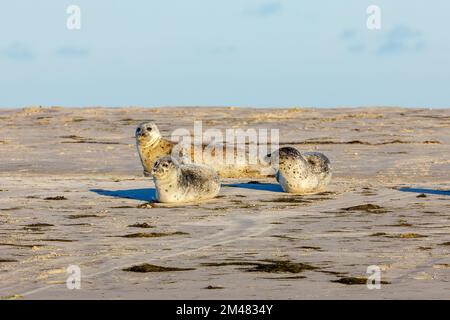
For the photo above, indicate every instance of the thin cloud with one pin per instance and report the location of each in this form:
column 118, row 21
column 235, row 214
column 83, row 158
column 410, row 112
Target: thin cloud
column 401, row 39
column 352, row 41
column 357, row 47
column 347, row 34
column 72, row 52
column 265, row 9
column 19, row 51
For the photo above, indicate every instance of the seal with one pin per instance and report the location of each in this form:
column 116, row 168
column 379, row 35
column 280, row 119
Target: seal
column 180, row 183
column 299, row 173
column 151, row 146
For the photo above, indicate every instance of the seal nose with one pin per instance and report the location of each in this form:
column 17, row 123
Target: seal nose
column 140, row 132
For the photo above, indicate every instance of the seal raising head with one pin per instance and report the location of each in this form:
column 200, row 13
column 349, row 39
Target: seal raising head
column 305, row 173
column 178, row 183
column 147, row 134
column 151, row 145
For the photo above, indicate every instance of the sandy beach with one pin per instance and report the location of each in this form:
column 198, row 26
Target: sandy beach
column 72, row 192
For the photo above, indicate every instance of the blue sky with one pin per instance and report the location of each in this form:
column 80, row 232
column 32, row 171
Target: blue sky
column 215, row 53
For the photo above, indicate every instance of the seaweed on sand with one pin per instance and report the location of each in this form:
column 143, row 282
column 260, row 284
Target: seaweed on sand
column 355, row 281
column 370, row 208
column 292, row 199
column 82, row 216
column 213, row 287
column 141, row 225
column 7, row 260
column 56, row 198
column 153, row 234
column 268, row 266
column 146, row 267
column 37, row 226
column 399, row 236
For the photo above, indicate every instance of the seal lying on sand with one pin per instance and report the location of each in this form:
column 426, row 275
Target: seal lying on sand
column 151, row 146
column 305, row 173
column 178, row 183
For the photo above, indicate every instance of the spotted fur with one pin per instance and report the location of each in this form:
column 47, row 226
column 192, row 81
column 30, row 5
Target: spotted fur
column 178, row 183
column 151, row 146
column 305, row 173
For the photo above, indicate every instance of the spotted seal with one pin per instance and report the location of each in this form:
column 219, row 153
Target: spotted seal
column 301, row 173
column 179, row 183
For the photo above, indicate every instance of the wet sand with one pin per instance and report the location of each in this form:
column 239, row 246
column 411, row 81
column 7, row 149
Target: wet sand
column 72, row 193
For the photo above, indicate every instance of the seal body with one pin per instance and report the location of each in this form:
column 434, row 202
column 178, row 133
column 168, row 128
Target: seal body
column 305, row 173
column 179, row 183
column 235, row 163
column 151, row 146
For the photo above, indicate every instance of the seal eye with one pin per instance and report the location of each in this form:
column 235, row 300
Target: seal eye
column 138, row 130
column 149, row 129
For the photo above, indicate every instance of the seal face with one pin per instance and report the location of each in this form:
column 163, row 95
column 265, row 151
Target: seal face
column 177, row 183
column 148, row 134
column 151, row 146
column 305, row 173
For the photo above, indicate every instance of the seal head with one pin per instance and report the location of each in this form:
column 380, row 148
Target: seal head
column 147, row 134
column 284, row 157
column 165, row 168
